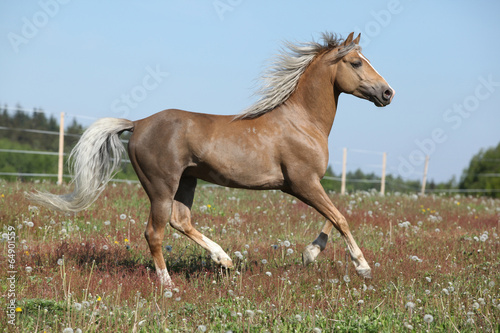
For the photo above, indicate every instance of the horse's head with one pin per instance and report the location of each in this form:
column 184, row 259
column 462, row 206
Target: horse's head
column 355, row 75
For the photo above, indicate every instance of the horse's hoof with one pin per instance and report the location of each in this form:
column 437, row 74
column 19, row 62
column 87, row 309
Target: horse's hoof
column 365, row 273
column 226, row 263
column 310, row 254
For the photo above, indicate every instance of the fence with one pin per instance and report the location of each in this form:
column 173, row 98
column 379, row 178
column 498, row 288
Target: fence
column 380, row 182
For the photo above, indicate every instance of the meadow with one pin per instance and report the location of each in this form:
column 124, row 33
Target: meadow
column 435, row 264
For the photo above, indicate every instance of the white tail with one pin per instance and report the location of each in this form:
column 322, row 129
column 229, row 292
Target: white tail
column 93, row 162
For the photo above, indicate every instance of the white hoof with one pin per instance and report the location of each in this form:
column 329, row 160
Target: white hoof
column 310, row 253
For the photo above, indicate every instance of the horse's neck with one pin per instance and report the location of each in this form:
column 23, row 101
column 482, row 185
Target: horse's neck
column 315, row 98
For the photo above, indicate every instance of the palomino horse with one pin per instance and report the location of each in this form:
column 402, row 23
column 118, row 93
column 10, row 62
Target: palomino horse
column 281, row 142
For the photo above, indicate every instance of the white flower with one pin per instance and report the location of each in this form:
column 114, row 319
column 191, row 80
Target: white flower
column 250, row 313
column 263, row 261
column 105, row 247
column 202, row 328
column 175, row 235
column 428, row 318
column 29, row 269
column 269, row 273
column 475, row 305
column 446, row 291
column 317, row 330
column 142, row 322
column 123, row 216
column 410, row 305
column 377, row 264
column 361, row 302
column 238, row 255
column 408, row 326
column 298, row 317
column 107, row 222
column 428, row 279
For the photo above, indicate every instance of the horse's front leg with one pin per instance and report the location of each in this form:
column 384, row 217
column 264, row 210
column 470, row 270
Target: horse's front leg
column 312, row 193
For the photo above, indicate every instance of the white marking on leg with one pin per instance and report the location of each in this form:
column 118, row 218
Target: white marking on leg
column 216, row 252
column 164, row 277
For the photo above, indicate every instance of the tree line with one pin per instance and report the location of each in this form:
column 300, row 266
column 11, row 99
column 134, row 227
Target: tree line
column 483, row 171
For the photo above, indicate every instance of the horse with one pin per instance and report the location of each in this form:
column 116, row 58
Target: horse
column 279, row 143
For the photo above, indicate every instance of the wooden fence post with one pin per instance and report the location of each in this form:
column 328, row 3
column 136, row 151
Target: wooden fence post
column 344, row 165
column 424, row 179
column 61, row 151
column 382, row 182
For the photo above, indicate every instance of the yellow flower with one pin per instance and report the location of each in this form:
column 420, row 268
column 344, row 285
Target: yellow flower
column 99, row 298
column 458, row 203
column 27, row 253
column 18, row 309
column 209, row 206
column 3, row 195
column 116, row 242
column 126, row 240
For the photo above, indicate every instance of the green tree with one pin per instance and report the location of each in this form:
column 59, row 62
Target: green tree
column 483, row 172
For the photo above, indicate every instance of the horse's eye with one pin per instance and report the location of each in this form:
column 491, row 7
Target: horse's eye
column 356, row 64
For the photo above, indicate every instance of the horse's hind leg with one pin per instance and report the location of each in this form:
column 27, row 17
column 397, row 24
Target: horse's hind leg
column 181, row 220
column 159, row 215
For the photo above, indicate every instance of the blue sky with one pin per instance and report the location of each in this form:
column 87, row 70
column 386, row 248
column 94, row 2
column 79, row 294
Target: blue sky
column 442, row 58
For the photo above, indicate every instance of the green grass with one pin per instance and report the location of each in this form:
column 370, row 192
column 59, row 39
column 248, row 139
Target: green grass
column 98, row 276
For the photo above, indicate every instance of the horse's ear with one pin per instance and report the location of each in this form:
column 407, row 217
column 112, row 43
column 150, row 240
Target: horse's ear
column 349, row 39
column 356, row 41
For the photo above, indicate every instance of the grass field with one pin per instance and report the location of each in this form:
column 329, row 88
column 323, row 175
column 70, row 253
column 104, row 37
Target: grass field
column 435, row 262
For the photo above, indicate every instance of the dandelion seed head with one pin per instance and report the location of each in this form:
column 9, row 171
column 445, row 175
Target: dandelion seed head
column 105, row 247
column 202, row 328
column 29, row 269
column 263, row 261
column 289, row 251
column 286, row 243
column 347, row 279
column 410, row 305
column 298, row 317
column 250, row 313
column 269, row 273
column 428, row 318
column 60, row 261
column 68, row 330
column 123, row 216
column 107, row 222
column 168, row 294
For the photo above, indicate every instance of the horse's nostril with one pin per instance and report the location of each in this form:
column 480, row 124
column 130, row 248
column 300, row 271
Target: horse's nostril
column 387, row 94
